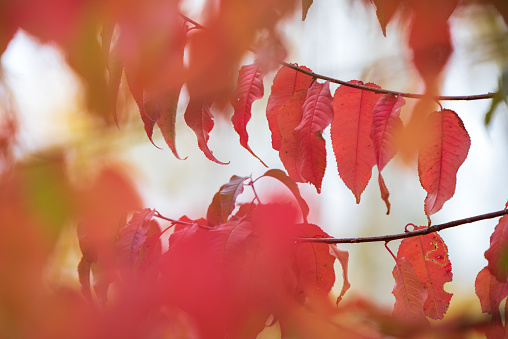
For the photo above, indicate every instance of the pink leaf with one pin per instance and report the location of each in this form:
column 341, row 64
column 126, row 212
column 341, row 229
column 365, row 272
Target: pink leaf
column 287, row 82
column 440, row 158
column 497, row 254
column 350, row 131
column 317, row 115
column 249, row 89
column 133, row 235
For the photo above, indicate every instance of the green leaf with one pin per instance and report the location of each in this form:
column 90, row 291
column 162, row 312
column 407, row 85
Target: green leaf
column 223, row 202
column 501, row 95
column 282, row 177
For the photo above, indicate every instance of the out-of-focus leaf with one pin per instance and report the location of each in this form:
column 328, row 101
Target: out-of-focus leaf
column 501, row 95
column 305, row 8
column 223, row 202
column 440, row 157
column 286, row 83
column 317, row 115
column 249, row 89
column 343, row 257
column 491, row 293
column 84, row 278
column 350, row 132
column 385, row 9
column 428, row 255
column 133, row 235
column 497, row 253
column 282, row 177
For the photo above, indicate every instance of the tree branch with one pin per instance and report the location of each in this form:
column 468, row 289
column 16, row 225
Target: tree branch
column 386, row 91
column 391, row 237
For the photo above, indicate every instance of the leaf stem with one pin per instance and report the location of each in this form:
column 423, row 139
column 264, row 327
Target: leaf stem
column 390, row 237
column 173, row 221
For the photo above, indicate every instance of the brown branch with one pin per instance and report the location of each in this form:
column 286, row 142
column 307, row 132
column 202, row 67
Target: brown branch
column 386, row 91
column 391, row 237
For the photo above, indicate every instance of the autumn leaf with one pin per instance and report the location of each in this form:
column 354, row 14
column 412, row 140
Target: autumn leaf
column 386, row 123
column 289, row 116
column 428, row 255
column 351, row 140
column 313, row 261
column 223, row 202
column 409, row 291
column 440, row 157
column 343, row 257
column 286, row 83
column 199, row 118
column 133, row 235
column 317, row 115
column 491, row 293
column 385, row 9
column 249, row 89
column 305, row 8
column 497, row 253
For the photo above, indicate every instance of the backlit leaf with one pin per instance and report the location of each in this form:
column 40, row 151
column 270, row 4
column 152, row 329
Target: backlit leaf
column 440, row 158
column 490, row 291
column 351, row 140
column 409, row 291
column 497, row 253
column 317, row 115
column 286, row 83
column 199, row 118
column 385, row 9
column 223, row 202
column 249, row 89
column 289, row 117
column 343, row 257
column 133, row 235
column 428, row 255
column 282, row 177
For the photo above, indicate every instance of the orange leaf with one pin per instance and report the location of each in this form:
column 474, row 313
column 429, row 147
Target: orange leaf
column 317, row 115
column 428, row 255
column 440, row 158
column 385, row 11
column 497, row 253
column 409, row 291
column 249, row 89
column 199, row 118
column 490, row 291
column 286, row 83
column 289, row 116
column 351, row 127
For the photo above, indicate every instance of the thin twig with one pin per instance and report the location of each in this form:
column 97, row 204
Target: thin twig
column 173, row 221
column 391, row 237
column 386, row 91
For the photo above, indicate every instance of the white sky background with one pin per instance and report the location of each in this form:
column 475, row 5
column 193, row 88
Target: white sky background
column 338, row 40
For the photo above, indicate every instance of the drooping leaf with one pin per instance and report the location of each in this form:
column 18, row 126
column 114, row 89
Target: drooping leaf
column 133, row 235
column 343, row 257
column 409, row 291
column 490, row 291
column 428, row 255
column 313, row 261
column 282, row 177
column 249, row 89
column 286, row 83
column 385, row 9
column 288, row 118
column 497, row 253
column 305, row 8
column 351, row 140
column 317, row 115
column 84, row 278
column 500, row 95
column 440, row 158
column 199, row 118
column 223, row 202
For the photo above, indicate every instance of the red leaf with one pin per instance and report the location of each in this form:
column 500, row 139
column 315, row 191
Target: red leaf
column 490, row 291
column 351, row 141
column 385, row 11
column 440, row 158
column 289, row 116
column 317, row 115
column 409, row 291
column 223, row 202
column 199, row 118
column 343, row 257
column 313, row 261
column 84, row 278
column 429, row 256
column 286, row 83
column 132, row 236
column 497, row 254
column 282, row 177
column 249, row 89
